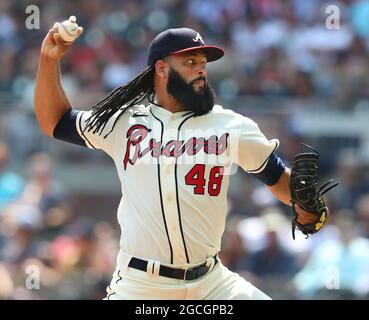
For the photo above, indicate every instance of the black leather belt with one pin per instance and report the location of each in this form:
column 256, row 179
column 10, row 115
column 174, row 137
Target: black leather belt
column 164, row 271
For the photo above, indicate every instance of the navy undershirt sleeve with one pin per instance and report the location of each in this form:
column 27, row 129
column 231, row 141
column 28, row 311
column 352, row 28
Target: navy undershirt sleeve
column 272, row 171
column 66, row 128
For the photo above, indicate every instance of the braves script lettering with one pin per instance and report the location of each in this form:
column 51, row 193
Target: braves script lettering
column 174, row 148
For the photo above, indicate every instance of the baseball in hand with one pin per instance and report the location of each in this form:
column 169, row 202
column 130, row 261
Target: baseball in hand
column 68, row 29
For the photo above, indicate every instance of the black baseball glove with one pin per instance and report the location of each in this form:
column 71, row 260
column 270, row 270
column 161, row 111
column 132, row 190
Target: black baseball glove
column 306, row 194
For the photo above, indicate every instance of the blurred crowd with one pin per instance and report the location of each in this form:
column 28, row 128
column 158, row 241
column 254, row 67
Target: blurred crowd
column 274, row 50
column 47, row 251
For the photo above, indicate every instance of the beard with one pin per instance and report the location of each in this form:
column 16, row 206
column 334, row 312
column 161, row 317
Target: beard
column 185, row 94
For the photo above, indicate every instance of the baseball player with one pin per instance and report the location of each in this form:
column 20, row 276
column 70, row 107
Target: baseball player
column 172, row 148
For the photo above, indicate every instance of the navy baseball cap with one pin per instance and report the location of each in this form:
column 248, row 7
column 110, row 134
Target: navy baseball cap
column 173, row 41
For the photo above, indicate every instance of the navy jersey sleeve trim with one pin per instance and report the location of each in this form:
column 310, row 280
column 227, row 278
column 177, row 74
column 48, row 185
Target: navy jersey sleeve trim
column 263, row 164
column 272, row 171
column 66, row 128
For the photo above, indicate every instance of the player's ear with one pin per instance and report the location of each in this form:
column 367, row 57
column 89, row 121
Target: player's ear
column 161, row 68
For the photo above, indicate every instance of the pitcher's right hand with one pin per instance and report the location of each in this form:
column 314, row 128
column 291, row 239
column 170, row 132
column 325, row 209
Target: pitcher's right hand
column 53, row 46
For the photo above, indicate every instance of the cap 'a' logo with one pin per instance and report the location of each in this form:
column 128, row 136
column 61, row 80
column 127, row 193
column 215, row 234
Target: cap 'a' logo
column 198, row 38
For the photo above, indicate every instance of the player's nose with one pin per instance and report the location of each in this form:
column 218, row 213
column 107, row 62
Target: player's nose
column 202, row 72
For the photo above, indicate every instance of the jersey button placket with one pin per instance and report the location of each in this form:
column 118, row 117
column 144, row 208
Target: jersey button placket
column 169, row 190
column 170, row 197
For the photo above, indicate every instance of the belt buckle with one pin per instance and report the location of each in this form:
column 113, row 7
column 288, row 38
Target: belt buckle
column 191, row 273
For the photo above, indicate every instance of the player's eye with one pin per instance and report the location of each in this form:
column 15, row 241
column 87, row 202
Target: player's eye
column 190, row 62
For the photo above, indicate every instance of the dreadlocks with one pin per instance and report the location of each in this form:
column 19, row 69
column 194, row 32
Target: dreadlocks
column 123, row 97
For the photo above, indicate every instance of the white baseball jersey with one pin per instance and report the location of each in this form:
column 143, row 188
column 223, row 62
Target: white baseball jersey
column 174, row 174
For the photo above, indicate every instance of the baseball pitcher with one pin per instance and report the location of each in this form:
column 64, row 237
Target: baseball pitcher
column 173, row 149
